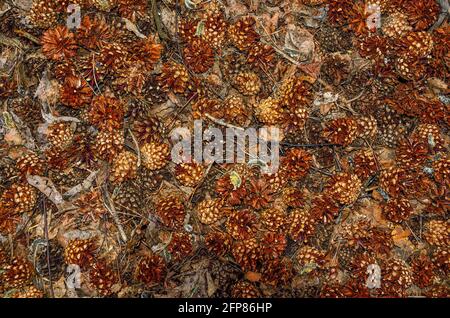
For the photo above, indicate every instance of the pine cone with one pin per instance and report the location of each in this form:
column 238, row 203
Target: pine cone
column 411, row 155
column 189, row 174
column 274, row 219
column 269, row 112
column 155, row 155
column 247, row 83
column 441, row 171
column 30, row 164
column 233, row 193
column 19, row 198
column 365, row 164
column 80, row 252
column 17, row 274
column 244, row 289
column 199, row 56
column 242, row 34
column 148, row 180
column 180, row 246
column 302, row 226
column 58, row 43
column 344, row 188
column 416, row 44
column 397, row 277
column 421, row 13
column 151, row 269
column 108, row 145
column 261, row 55
column 396, row 25
column 235, row 111
column 437, row 233
column 242, row 225
column 357, row 231
column 308, row 256
column 277, row 272
column 336, row 68
column 334, row 39
column 124, row 167
column 397, row 210
column 171, row 211
column 208, row 106
column 43, row 14
column 147, row 128
column 440, row 258
column 293, row 197
column 60, row 134
column 218, row 243
column 324, row 208
column 28, row 292
column 102, row 277
column 128, row 200
column 247, row 253
column 272, row 245
column 367, row 127
column 56, row 261
column 341, row 131
column 422, row 270
column 296, row 163
column 174, row 77
column 210, row 211
column 94, row 33
column 294, row 93
column 106, row 113
column 259, row 194
column 91, row 202
column 429, row 134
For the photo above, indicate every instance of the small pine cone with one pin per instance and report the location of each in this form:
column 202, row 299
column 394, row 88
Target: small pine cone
column 124, row 167
column 336, row 68
column 58, row 43
column 261, row 54
column 410, row 68
column 293, row 197
column 301, row 226
column 128, row 200
column 297, row 118
column 438, row 291
column 218, row 243
column 272, row 245
column 397, row 277
column 437, row 233
column 20, row 197
column 423, row 271
column 174, row 77
column 199, row 56
column 102, row 277
column 429, row 134
column 106, row 113
column 341, row 131
column 344, row 187
column 180, row 246
column 210, row 211
column 235, row 111
column 324, row 208
column 242, row 225
column 367, row 127
column 308, row 256
column 79, row 252
column 28, row 292
column 441, row 171
column 147, row 128
column 56, row 252
column 391, row 126
column 244, row 289
column 90, row 202
column 277, row 272
column 171, row 211
column 345, row 256
column 396, row 25
column 296, row 163
column 389, row 180
column 30, row 164
column 151, row 269
column 155, row 155
column 17, row 274
column 148, row 180
column 208, row 106
column 359, row 264
column 270, row 112
column 365, row 164
column 42, row 14
column 94, row 33
column 411, row 154
column 247, row 253
column 274, row 219
column 3, row 257
column 108, row 144
column 103, row 5
column 242, row 34
column 357, row 231
column 189, row 174
column 60, row 134
column 416, row 44
column 441, row 259
column 295, row 92
column 260, row 193
column 215, row 26
column 397, row 210
column 247, row 83
column 334, row 39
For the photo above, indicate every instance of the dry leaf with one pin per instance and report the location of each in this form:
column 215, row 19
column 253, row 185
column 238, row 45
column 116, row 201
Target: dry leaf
column 253, row 276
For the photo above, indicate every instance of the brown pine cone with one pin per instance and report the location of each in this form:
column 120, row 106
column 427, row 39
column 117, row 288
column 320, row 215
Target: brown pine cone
column 80, row 252
column 274, row 219
column 28, row 292
column 441, row 259
column 58, row 43
column 367, row 127
column 344, row 188
column 180, row 246
column 293, row 197
column 437, row 233
column 236, row 111
column 244, row 289
column 155, row 155
column 17, row 274
column 269, row 112
column 441, row 171
column 365, row 164
column 277, row 272
column 397, row 277
column 30, row 164
column 198, row 55
column 106, row 113
column 171, row 211
column 296, row 163
column 108, row 144
column 60, row 134
column 341, row 131
column 242, row 34
column 151, row 269
column 189, row 174
column 423, row 271
column 247, row 83
column 124, row 167
column 215, row 25
column 302, row 226
column 429, row 134
column 324, row 208
column 272, row 245
column 148, row 180
column 259, row 194
column 233, row 192
column 102, row 277
column 396, row 25
column 218, row 243
column 397, row 210
column 174, row 77
column 416, row 44
column 147, row 128
column 308, row 256
column 19, row 198
column 242, row 225
column 210, row 211
column 43, row 14
column 247, row 253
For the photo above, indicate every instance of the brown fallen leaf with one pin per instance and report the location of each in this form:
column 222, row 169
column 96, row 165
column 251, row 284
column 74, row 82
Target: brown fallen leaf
column 253, row 276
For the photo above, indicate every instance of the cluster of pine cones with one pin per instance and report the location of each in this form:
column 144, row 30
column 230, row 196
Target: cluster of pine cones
column 364, row 175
